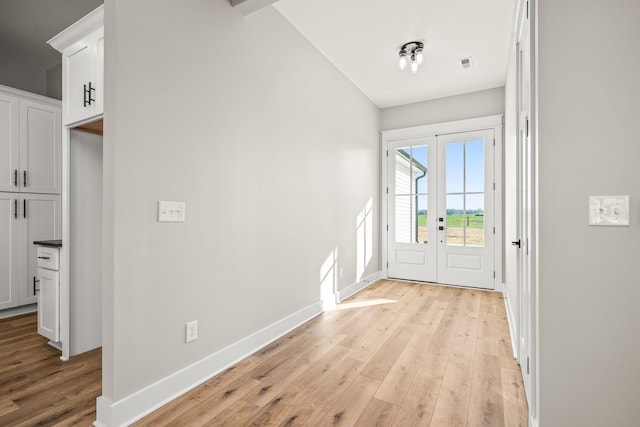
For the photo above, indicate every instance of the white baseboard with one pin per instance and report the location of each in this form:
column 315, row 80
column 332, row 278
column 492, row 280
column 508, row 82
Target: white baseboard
column 17, row 311
column 511, row 321
column 133, row 407
column 358, row 286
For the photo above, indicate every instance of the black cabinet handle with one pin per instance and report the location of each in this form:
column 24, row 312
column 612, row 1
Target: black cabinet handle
column 516, row 243
column 84, row 95
column 24, row 207
column 34, row 285
column 15, row 208
column 24, row 178
column 15, row 177
column 88, row 99
column 44, row 257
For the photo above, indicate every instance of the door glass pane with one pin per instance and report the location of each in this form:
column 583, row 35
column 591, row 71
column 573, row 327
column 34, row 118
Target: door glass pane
column 455, row 219
column 455, row 167
column 422, row 219
column 405, row 219
column 411, row 194
column 475, row 220
column 474, row 166
column 419, row 155
column 403, row 171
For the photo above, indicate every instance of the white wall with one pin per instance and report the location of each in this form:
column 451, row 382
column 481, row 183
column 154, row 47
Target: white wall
column 276, row 155
column 85, row 280
column 483, row 103
column 589, row 291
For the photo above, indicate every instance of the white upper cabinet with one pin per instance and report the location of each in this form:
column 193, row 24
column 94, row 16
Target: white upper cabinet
column 82, row 48
column 40, row 148
column 30, row 143
column 9, row 142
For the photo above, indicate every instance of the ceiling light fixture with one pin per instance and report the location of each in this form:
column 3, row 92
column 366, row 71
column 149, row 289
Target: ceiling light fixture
column 411, row 51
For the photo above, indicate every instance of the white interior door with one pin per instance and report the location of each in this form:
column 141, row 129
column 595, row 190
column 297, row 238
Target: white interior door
column 466, row 226
column 411, row 247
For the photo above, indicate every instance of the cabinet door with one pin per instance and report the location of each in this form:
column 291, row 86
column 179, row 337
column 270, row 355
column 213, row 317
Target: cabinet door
column 40, row 148
column 40, row 219
column 9, row 142
column 9, row 251
column 49, row 304
column 78, row 71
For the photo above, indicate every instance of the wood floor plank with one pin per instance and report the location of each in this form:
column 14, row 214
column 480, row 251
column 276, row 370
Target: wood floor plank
column 419, row 404
column 378, row 413
column 396, row 384
column 351, row 404
column 514, row 399
column 452, row 406
column 214, row 404
column 305, row 408
column 280, row 377
column 380, row 364
column 486, row 401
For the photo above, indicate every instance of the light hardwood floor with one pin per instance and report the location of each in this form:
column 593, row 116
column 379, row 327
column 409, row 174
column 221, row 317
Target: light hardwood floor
column 36, row 387
column 396, row 354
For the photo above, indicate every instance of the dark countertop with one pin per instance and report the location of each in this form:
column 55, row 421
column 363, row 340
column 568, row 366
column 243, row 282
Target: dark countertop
column 49, row 243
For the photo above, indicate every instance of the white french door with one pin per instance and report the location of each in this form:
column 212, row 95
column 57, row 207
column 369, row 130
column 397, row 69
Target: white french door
column 440, row 209
column 412, row 197
column 465, row 209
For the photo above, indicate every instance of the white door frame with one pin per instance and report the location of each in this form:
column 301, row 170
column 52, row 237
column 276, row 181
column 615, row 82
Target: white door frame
column 489, row 122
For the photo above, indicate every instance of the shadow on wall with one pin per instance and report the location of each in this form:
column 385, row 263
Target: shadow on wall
column 329, row 280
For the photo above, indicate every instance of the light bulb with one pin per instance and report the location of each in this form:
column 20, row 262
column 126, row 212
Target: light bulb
column 403, row 60
column 419, row 57
column 414, row 67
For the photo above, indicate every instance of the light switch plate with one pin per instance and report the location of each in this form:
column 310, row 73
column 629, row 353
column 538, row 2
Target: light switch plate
column 609, row 210
column 171, row 211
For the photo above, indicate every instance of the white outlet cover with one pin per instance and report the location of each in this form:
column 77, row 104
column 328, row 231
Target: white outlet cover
column 191, row 331
column 171, row 211
column 609, row 210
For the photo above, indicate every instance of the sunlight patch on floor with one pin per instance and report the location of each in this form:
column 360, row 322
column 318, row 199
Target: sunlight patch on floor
column 363, row 303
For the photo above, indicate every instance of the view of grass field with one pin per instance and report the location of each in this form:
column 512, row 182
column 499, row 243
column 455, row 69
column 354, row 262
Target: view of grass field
column 457, row 220
column 456, row 235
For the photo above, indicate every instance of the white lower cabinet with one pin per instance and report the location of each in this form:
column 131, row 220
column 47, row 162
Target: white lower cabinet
column 24, row 218
column 49, row 304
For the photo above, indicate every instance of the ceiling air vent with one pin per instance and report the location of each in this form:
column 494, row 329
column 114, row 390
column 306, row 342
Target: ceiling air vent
column 465, row 62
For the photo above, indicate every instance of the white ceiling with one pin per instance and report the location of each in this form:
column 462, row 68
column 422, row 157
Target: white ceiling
column 26, row 25
column 362, row 39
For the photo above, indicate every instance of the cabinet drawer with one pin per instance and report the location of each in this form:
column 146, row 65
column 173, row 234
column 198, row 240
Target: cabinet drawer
column 48, row 258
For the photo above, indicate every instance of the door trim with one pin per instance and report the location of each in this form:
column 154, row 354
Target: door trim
column 480, row 123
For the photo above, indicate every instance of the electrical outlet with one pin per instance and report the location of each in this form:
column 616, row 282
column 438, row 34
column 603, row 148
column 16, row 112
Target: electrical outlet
column 191, row 331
